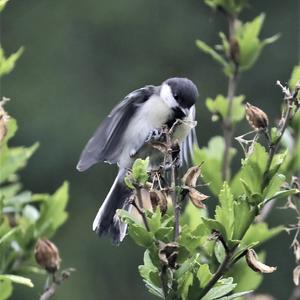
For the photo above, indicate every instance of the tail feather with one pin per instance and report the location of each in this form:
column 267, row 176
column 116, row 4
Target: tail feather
column 106, row 222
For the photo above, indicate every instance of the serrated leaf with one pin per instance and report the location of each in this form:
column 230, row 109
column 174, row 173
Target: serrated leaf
column 212, row 224
column 204, row 275
column 213, row 158
column 219, row 291
column 251, row 173
column 139, row 170
column 14, row 159
column 53, row 214
column 260, row 232
column 225, row 212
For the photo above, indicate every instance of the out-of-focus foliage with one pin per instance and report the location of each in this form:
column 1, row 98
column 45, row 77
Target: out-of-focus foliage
column 24, row 217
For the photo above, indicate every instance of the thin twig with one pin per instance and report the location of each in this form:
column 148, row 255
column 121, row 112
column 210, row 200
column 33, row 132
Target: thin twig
column 56, row 281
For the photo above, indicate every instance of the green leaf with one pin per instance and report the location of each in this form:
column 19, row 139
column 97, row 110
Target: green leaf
column 251, row 173
column 2, row 4
column 5, row 289
column 220, row 106
column 184, row 284
column 187, row 266
column 154, row 221
column 53, row 214
column 274, row 186
column 250, row 46
column 140, row 235
column 150, row 274
column 236, row 295
column 219, row 252
column 244, row 216
column 212, row 224
column 204, row 275
column 219, row 290
column 139, row 170
column 8, row 64
column 212, row 53
column 14, row 159
column 295, row 77
column 8, row 235
column 192, row 216
column 260, row 232
column 212, row 156
column 17, row 279
column 225, row 212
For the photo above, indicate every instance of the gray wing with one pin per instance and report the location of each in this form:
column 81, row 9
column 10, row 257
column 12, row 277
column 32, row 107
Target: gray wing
column 105, row 143
column 187, row 148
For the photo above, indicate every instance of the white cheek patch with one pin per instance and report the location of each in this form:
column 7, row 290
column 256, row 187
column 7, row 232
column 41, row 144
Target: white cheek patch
column 167, row 96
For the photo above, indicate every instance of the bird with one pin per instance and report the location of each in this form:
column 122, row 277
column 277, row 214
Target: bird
column 122, row 137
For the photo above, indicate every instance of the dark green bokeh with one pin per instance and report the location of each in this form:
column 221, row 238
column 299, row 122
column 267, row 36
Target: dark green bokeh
column 81, row 58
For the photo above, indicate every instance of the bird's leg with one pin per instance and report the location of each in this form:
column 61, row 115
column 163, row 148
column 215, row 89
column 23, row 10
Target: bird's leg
column 155, row 135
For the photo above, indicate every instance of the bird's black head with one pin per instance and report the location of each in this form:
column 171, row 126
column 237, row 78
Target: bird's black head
column 183, row 90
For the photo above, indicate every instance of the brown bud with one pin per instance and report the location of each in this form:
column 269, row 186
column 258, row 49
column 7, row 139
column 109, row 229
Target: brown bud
column 234, row 50
column 256, row 265
column 257, row 118
column 196, row 197
column 190, row 177
column 47, row 255
column 168, row 254
column 159, row 198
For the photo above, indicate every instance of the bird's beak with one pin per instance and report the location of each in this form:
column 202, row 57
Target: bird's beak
column 185, row 111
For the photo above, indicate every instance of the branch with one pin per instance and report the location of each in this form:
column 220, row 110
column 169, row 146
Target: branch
column 50, row 290
column 228, row 129
column 139, row 207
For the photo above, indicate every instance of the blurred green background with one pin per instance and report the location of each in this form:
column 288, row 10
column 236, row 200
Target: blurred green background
column 81, row 58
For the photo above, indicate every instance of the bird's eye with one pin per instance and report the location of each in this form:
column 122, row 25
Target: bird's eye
column 176, row 97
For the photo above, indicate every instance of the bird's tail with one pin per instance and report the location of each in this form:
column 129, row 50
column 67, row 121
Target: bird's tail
column 106, row 222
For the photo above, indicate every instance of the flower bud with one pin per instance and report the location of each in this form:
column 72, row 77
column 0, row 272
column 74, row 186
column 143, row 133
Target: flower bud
column 257, row 118
column 47, row 255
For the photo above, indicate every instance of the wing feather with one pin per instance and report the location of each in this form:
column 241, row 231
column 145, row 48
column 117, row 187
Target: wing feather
column 105, row 144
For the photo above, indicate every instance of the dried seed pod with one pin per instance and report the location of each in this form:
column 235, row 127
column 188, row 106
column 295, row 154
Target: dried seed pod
column 296, row 275
column 190, row 177
column 196, row 197
column 47, row 255
column 159, row 198
column 256, row 265
column 257, row 118
column 168, row 254
column 4, row 117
